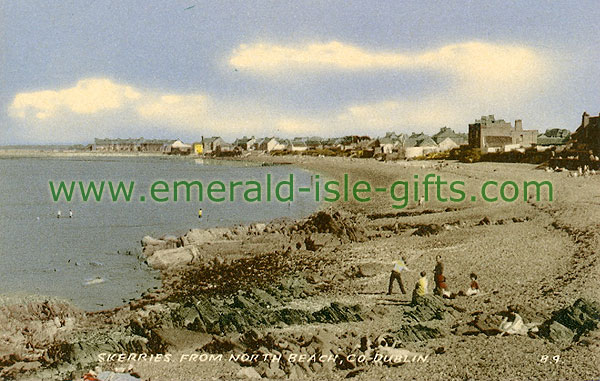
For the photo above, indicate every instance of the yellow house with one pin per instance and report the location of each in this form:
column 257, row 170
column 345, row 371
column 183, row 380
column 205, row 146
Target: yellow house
column 198, row 148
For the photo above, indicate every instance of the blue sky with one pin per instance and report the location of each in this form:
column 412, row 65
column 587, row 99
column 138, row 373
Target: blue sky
column 73, row 70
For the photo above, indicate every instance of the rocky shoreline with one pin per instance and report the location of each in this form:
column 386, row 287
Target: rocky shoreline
column 315, row 288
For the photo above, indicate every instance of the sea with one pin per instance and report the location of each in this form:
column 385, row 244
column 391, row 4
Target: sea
column 92, row 259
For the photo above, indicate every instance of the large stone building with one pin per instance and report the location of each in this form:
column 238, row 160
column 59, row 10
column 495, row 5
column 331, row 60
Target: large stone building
column 491, row 135
column 587, row 135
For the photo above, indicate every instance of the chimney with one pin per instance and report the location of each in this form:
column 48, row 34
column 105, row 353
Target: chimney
column 585, row 119
column 518, row 125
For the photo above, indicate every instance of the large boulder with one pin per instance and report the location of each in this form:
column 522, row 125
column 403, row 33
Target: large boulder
column 197, row 237
column 151, row 245
column 201, row 236
column 333, row 222
column 147, row 240
column 163, row 259
column 572, row 322
column 558, row 333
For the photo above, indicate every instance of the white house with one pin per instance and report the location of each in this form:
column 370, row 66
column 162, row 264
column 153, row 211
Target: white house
column 271, row 144
column 245, row 143
column 179, row 146
column 297, row 146
column 447, row 144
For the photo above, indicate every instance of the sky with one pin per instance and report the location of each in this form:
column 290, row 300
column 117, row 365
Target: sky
column 72, row 71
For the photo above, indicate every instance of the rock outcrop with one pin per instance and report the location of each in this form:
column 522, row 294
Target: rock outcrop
column 259, row 308
column 332, row 222
column 28, row 328
column 570, row 323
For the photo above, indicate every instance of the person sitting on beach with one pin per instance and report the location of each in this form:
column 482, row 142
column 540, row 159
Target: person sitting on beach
column 513, row 323
column 441, row 288
column 399, row 267
column 474, row 288
column 420, row 287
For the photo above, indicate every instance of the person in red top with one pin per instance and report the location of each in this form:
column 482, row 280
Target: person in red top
column 474, row 289
column 441, row 288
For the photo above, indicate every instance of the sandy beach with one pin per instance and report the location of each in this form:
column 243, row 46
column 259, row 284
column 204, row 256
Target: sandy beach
column 317, row 287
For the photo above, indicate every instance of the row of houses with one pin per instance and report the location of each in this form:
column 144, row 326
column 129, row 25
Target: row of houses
column 488, row 134
column 166, row 146
column 131, row 145
column 408, row 145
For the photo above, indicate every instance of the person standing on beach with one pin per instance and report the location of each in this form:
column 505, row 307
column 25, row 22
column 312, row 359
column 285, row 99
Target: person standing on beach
column 200, row 213
column 441, row 288
column 70, row 213
column 399, row 267
column 58, row 214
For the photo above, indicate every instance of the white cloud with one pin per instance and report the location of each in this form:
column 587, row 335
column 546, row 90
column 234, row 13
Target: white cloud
column 475, row 60
column 480, row 68
column 267, row 57
column 88, row 96
column 478, row 78
column 100, row 107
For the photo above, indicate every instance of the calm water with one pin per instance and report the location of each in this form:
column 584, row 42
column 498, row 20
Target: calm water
column 41, row 254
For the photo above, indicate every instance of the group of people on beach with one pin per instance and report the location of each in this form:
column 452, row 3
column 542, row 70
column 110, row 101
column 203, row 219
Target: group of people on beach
column 421, row 287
